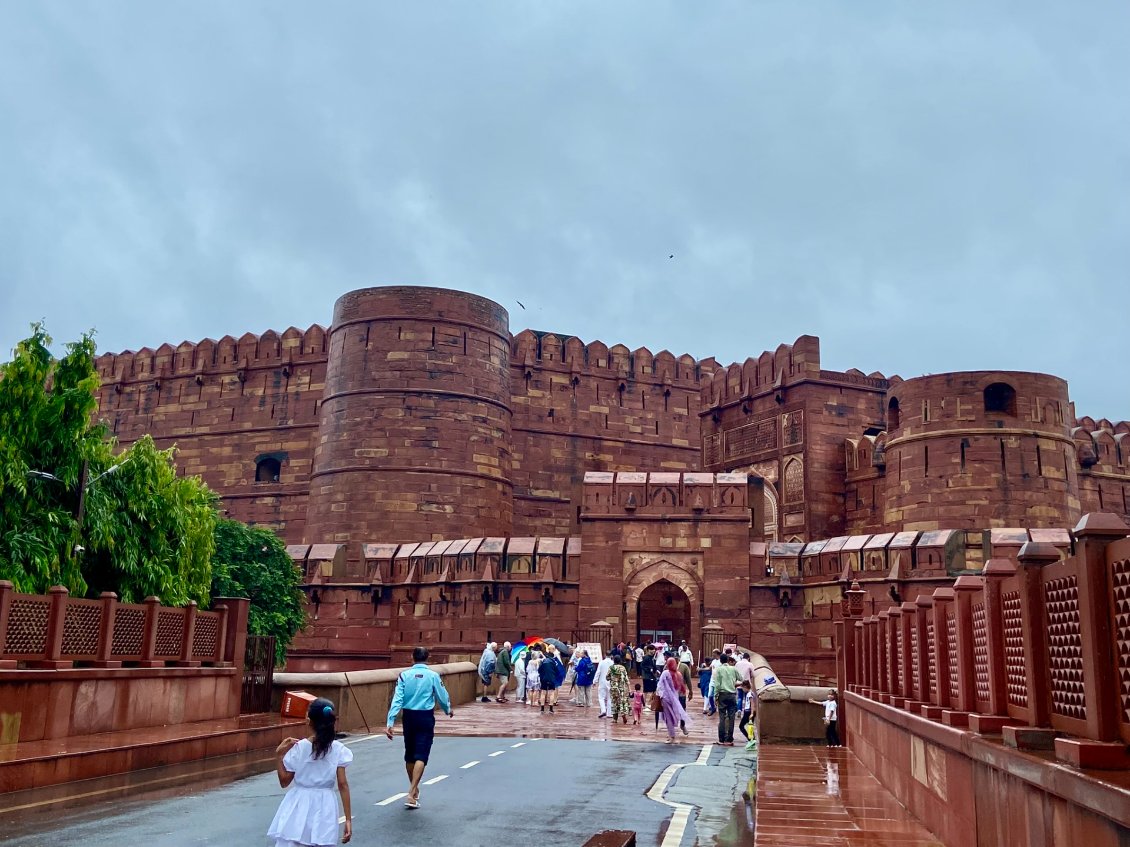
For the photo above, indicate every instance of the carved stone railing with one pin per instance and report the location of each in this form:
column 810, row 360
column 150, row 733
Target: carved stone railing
column 1036, row 648
column 56, row 631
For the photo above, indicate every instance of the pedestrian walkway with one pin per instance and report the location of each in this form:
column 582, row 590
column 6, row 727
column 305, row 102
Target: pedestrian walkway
column 568, row 721
column 825, row 797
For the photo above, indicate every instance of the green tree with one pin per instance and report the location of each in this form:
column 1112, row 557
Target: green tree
column 252, row 562
column 143, row 530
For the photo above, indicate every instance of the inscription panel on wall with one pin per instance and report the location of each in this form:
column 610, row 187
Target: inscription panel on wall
column 792, row 428
column 751, row 438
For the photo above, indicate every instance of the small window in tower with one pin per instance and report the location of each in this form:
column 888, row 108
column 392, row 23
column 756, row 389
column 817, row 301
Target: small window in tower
column 1000, row 397
column 893, row 415
column 267, row 469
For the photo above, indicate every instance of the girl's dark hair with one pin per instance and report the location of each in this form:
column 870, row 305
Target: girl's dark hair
column 323, row 719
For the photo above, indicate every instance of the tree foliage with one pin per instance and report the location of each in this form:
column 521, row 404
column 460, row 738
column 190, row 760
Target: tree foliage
column 252, row 562
column 144, row 531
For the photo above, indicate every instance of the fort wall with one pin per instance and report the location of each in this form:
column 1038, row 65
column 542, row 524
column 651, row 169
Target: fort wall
column 415, row 420
column 980, row 448
column 418, row 418
column 589, row 407
column 225, row 404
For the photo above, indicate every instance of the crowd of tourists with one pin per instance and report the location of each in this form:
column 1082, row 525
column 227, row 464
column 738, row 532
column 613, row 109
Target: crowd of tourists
column 631, row 681
column 316, row 765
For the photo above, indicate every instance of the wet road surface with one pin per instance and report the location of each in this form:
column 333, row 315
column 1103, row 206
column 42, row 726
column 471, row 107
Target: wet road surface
column 546, row 792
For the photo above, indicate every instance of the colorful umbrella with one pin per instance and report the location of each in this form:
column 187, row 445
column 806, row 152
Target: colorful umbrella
column 522, row 646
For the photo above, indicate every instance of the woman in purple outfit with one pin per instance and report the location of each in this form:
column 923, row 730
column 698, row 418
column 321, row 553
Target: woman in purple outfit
column 670, row 686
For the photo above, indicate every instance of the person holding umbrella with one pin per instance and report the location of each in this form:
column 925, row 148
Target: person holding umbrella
column 549, row 679
column 650, row 673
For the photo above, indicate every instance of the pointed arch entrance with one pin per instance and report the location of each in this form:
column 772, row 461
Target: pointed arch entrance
column 663, row 614
column 663, row 597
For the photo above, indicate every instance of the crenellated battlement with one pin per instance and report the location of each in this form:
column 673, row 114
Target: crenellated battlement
column 771, row 370
column 568, row 354
column 227, row 355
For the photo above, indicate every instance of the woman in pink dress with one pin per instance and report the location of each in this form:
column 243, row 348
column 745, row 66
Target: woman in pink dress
column 670, row 686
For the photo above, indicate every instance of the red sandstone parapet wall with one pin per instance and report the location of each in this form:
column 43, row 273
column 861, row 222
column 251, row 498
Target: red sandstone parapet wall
column 1026, row 644
column 580, row 407
column 788, row 363
column 421, row 563
column 575, row 407
column 54, row 631
column 225, row 404
column 415, row 421
column 1033, row 652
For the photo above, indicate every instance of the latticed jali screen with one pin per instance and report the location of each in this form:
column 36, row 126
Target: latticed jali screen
column 56, row 629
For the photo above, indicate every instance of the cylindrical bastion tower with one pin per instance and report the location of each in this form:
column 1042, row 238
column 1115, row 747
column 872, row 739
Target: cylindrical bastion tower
column 980, row 449
column 414, row 439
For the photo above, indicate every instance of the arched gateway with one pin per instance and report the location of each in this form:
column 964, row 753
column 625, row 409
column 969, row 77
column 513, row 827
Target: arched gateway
column 670, row 553
column 663, row 601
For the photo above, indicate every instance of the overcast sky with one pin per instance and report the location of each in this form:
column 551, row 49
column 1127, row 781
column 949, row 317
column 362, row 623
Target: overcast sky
column 926, row 186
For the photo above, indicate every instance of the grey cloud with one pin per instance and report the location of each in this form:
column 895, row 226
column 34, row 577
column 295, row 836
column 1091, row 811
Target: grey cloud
column 927, row 187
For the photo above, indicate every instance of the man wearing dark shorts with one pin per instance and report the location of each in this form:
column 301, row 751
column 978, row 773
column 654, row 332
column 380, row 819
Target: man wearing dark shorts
column 417, row 691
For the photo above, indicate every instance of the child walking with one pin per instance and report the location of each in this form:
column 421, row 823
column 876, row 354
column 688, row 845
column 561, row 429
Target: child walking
column 307, row 816
column 637, row 704
column 747, row 725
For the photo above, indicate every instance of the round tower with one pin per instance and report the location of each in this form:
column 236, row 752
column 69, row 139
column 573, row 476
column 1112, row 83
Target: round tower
column 414, row 439
column 980, row 449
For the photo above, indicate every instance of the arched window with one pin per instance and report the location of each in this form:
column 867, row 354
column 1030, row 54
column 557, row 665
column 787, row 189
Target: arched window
column 1000, row 397
column 771, row 519
column 893, row 415
column 794, row 481
column 267, row 469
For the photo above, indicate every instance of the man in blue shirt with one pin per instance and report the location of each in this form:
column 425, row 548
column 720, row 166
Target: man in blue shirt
column 417, row 690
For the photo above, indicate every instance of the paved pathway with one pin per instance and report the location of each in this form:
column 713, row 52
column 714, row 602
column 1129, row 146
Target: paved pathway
column 553, row 785
column 569, row 721
column 821, row 797
column 478, row 791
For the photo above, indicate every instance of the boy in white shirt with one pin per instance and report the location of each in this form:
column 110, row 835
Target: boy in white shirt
column 831, row 717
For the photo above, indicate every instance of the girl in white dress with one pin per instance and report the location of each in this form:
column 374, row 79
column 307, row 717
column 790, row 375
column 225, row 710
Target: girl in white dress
column 307, row 816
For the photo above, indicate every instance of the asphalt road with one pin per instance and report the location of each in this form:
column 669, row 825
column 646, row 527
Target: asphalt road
column 546, row 793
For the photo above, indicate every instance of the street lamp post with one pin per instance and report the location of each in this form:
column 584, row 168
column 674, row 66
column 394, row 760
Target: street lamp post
column 84, row 484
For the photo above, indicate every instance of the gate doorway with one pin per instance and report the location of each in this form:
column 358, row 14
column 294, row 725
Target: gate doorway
column 663, row 613
column 258, row 674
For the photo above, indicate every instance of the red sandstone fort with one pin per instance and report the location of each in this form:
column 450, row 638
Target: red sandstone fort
column 443, row 481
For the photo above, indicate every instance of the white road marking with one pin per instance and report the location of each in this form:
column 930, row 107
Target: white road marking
column 519, row 744
column 468, row 765
column 681, row 816
column 390, row 800
column 435, row 779
column 350, row 742
column 497, row 753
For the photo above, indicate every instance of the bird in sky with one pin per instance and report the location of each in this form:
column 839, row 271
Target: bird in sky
column 520, row 303
column 672, row 256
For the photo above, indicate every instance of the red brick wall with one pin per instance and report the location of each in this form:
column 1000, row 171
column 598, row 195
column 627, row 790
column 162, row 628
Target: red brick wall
column 970, row 790
column 953, row 464
column 420, row 417
column 414, row 428
column 628, row 545
column 587, row 407
column 224, row 403
column 1103, row 450
column 784, row 418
